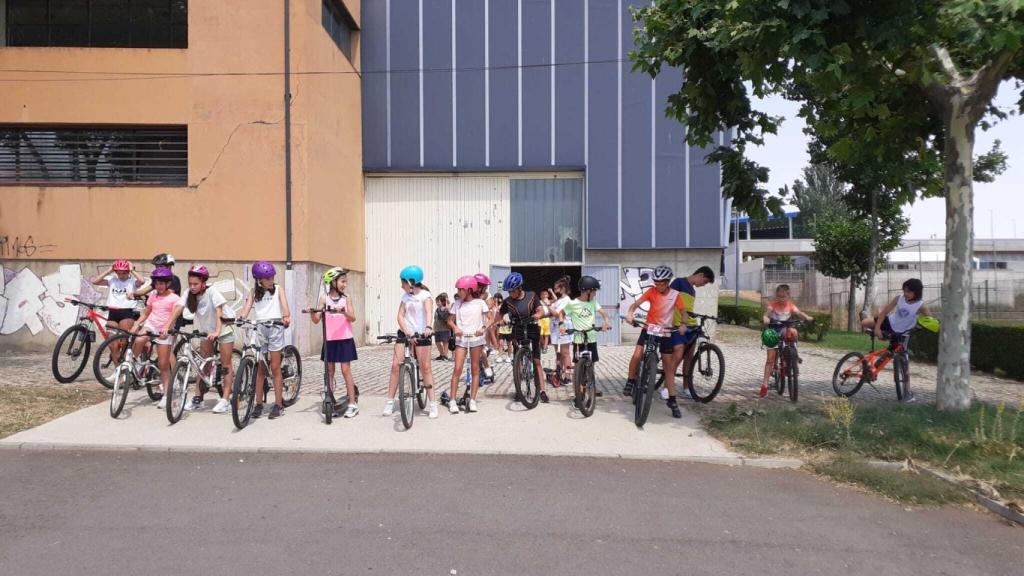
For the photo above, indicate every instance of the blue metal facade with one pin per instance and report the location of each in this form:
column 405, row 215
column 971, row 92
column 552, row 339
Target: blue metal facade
column 537, row 85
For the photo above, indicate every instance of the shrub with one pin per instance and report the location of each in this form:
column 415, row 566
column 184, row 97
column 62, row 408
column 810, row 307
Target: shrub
column 738, row 315
column 994, row 346
column 822, row 324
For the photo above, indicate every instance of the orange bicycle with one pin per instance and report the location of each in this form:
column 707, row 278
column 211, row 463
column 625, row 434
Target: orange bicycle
column 854, row 369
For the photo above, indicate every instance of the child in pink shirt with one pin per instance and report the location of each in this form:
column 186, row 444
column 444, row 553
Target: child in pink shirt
column 340, row 346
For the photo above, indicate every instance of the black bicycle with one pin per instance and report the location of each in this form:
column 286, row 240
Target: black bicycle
column 787, row 361
column 583, row 384
column 525, row 374
column 646, row 383
column 410, row 381
column 704, row 373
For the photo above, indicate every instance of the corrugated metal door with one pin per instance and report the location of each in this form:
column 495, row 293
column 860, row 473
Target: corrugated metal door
column 608, row 298
column 449, row 226
column 547, row 220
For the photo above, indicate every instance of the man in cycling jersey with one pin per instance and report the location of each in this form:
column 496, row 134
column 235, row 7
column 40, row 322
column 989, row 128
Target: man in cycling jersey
column 667, row 310
column 524, row 309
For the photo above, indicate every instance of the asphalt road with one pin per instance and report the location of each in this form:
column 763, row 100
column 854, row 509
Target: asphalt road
column 151, row 513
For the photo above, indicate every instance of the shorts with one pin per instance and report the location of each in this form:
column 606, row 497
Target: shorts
column 419, row 342
column 339, row 351
column 116, row 315
column 442, row 335
column 666, row 344
column 576, row 348
column 545, row 326
column 685, row 338
column 559, row 339
column 894, row 337
column 227, row 336
column 505, row 336
column 163, row 341
column 273, row 338
column 471, row 342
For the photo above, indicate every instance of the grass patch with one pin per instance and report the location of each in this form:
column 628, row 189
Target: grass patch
column 731, row 301
column 983, row 442
column 902, row 486
column 847, row 341
column 22, row 408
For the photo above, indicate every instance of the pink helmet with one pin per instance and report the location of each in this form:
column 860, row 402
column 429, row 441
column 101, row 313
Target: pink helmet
column 467, row 283
column 482, row 279
column 122, row 266
column 199, row 271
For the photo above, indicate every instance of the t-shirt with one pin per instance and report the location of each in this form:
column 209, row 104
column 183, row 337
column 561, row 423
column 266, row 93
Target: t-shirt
column 689, row 294
column 904, row 317
column 441, row 320
column 521, row 310
column 339, row 327
column 583, row 315
column 780, row 312
column 206, row 311
column 666, row 310
column 470, row 317
column 415, row 312
column 269, row 306
column 161, row 308
column 117, row 292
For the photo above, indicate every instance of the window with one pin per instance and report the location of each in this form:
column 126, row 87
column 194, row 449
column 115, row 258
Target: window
column 137, row 156
column 96, row 23
column 546, row 218
column 338, row 24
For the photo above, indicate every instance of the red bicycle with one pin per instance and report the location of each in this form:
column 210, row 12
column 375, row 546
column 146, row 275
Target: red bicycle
column 72, row 350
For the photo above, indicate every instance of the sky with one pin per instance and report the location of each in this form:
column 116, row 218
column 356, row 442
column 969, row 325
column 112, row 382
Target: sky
column 998, row 207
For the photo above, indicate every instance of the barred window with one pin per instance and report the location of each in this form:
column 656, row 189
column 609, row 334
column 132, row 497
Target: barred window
column 95, row 23
column 91, row 155
column 338, row 24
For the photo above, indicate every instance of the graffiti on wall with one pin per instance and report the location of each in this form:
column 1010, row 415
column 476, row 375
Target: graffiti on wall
column 22, row 247
column 633, row 283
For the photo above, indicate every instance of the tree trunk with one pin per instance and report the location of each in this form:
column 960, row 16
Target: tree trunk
column 869, row 286
column 851, row 307
column 953, row 386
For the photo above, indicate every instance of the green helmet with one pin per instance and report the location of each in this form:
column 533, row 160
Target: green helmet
column 333, row 274
column 929, row 323
column 770, row 338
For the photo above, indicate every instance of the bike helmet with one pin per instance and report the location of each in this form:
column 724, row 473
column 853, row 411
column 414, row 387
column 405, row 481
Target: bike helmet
column 162, row 274
column 163, row 260
column 466, row 282
column 589, row 283
column 122, row 266
column 333, row 274
column 513, row 281
column 770, row 338
column 412, row 274
column 929, row 323
column 199, row 271
column 263, row 269
column 482, row 279
column 662, row 273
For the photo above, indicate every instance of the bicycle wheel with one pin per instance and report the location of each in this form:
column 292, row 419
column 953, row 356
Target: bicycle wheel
column 104, row 363
column 586, row 389
column 526, row 379
column 243, row 392
column 706, row 373
column 649, row 391
column 848, row 376
column 177, row 392
column 421, row 395
column 407, row 394
column 792, row 373
column 151, row 378
column 899, row 375
column 71, row 353
column 780, row 378
column 122, row 382
column 291, row 374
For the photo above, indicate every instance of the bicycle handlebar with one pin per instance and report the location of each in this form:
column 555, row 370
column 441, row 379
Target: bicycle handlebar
column 789, row 322
column 190, row 335
column 242, row 323
column 588, row 330
column 77, row 302
column 389, row 338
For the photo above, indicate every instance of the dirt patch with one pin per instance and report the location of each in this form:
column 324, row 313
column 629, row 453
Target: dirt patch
column 23, row 407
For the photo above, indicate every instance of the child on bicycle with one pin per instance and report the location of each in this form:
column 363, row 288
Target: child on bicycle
column 441, row 331
column 121, row 281
column 340, row 345
column 899, row 317
column 666, row 309
column 269, row 302
column 779, row 309
column 207, row 307
column 522, row 307
column 414, row 314
column 581, row 314
column 162, row 307
column 468, row 323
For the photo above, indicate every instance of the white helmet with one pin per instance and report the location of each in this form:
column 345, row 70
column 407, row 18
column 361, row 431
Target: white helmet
column 662, row 273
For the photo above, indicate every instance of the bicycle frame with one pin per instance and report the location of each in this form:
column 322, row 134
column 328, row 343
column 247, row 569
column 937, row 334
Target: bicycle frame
column 97, row 320
column 877, row 360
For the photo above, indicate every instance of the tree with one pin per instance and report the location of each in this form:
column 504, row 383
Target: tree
column 916, row 78
column 820, row 194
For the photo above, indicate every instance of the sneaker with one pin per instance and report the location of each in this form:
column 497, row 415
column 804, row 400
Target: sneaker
column 158, row 396
column 389, row 408
column 686, row 393
column 472, row 405
column 433, row 410
column 763, row 392
column 627, row 390
column 257, row 411
column 162, row 403
column 351, row 411
column 674, row 407
column 439, row 358
column 195, row 404
column 664, row 393
column 544, row 397
column 275, row 412
column 909, row 398
column 222, row 407
column 453, row 407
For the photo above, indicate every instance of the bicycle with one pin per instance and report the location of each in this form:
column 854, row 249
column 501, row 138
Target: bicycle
column 207, row 370
column 583, row 384
column 410, row 381
column 786, row 369
column 646, row 386
column 525, row 374
column 72, row 350
column 854, row 369
column 105, row 358
column 703, row 362
column 330, row 404
column 244, row 388
column 132, row 375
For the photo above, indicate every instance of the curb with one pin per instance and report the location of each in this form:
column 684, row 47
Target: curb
column 765, row 463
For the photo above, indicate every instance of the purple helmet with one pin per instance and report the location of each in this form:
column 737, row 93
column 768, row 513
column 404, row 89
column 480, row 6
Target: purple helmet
column 163, row 274
column 263, row 269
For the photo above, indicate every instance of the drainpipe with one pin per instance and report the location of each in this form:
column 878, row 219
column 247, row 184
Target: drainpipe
column 287, row 136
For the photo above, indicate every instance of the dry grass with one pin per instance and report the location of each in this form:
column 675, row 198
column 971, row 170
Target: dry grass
column 22, row 408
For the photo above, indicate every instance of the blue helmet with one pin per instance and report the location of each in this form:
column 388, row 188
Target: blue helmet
column 412, row 274
column 513, row 281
